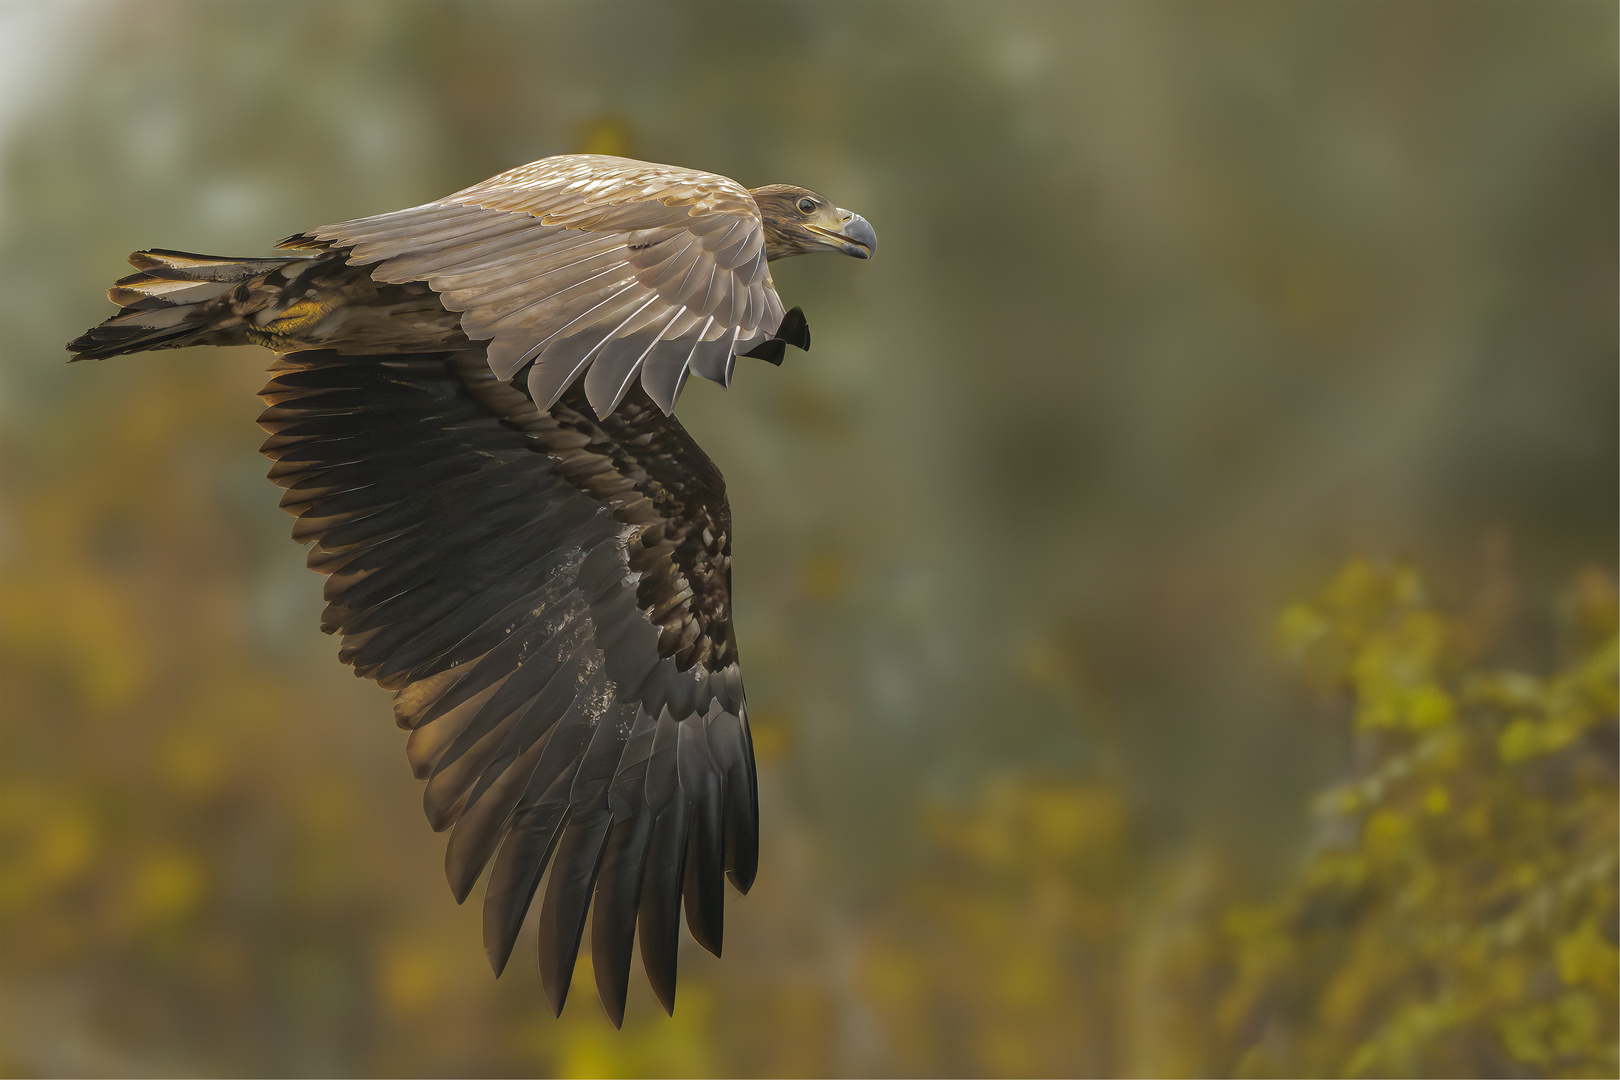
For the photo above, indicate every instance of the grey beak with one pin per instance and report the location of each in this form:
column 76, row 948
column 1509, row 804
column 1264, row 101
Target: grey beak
column 862, row 240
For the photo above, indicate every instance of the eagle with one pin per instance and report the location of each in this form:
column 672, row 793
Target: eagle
column 470, row 412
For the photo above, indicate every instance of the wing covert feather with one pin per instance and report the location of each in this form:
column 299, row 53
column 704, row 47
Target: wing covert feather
column 548, row 262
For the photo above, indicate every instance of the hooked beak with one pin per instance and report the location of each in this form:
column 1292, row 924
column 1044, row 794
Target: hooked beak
column 854, row 236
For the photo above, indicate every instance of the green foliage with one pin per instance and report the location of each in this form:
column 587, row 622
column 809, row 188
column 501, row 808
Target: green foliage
column 1460, row 917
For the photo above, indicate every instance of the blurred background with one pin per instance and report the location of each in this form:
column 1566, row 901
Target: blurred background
column 1229, row 418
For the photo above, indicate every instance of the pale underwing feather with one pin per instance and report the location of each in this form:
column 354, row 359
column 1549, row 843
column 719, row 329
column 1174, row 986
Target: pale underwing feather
column 616, row 368
column 565, row 251
column 550, row 261
column 711, row 359
column 519, row 294
column 572, row 297
column 561, row 362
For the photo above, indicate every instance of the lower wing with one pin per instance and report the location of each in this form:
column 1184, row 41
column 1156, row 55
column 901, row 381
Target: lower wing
column 549, row 596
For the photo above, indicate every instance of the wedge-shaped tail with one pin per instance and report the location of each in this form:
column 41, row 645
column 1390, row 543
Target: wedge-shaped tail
column 175, row 299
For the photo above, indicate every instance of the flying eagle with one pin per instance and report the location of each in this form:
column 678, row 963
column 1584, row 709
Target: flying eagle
column 470, row 411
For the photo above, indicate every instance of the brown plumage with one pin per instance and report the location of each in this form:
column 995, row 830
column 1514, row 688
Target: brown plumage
column 470, row 414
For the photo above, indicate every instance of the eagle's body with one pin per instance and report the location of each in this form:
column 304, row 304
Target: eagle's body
column 470, row 414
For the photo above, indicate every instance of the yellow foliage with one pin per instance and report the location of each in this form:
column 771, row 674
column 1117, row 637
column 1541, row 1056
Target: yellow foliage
column 1466, row 924
column 1000, row 958
column 167, row 885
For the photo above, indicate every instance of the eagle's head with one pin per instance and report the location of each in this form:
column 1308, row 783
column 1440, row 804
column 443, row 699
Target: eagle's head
column 798, row 221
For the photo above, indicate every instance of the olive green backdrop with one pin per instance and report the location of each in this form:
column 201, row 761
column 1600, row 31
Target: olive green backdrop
column 1177, row 309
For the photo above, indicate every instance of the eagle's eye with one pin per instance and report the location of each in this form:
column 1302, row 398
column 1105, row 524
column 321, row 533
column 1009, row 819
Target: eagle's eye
column 807, row 206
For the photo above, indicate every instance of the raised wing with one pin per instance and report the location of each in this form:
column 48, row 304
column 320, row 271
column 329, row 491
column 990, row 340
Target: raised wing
column 549, row 595
column 581, row 264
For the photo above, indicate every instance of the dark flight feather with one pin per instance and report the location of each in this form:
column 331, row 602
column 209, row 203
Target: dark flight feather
column 578, row 544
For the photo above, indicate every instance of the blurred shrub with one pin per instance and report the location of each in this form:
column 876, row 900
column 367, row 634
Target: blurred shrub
column 1002, row 957
column 1459, row 918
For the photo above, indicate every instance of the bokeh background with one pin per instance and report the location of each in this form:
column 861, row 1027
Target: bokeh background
column 1228, row 418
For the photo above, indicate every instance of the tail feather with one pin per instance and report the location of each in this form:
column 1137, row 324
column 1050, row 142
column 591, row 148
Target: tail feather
column 165, row 263
column 170, row 302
